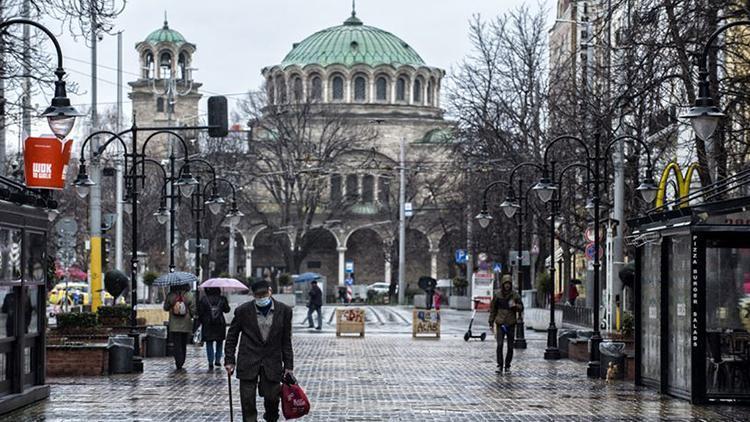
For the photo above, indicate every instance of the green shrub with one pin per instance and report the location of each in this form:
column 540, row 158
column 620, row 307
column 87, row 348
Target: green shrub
column 285, row 279
column 627, row 327
column 149, row 278
column 117, row 311
column 459, row 285
column 76, row 320
column 543, row 284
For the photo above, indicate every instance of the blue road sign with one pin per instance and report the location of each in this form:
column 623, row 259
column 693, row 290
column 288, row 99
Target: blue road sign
column 498, row 268
column 349, row 266
column 461, row 257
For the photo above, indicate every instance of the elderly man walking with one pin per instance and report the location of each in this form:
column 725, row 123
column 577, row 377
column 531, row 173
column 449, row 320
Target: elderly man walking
column 265, row 353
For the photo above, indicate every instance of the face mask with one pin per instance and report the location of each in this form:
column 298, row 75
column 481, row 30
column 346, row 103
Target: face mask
column 263, row 302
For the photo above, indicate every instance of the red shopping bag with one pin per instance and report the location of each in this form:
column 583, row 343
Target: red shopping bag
column 294, row 402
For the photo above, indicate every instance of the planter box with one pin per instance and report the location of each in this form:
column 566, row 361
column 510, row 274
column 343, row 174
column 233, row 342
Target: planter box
column 461, row 303
column 77, row 360
column 286, row 299
column 578, row 350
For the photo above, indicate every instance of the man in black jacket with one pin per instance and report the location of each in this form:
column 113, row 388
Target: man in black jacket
column 265, row 350
column 314, row 304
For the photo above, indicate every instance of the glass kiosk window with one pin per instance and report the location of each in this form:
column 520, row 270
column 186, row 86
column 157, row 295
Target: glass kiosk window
column 727, row 321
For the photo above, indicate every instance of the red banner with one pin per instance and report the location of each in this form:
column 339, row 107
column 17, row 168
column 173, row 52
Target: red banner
column 46, row 162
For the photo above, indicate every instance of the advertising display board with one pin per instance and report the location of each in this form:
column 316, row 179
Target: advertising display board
column 481, row 289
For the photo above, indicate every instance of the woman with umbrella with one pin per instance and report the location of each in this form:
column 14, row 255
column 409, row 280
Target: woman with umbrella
column 180, row 304
column 211, row 310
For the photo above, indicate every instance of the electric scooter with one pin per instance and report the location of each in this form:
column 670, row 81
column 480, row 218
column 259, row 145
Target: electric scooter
column 468, row 334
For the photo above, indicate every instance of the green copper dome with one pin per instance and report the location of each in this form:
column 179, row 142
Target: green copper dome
column 164, row 34
column 352, row 43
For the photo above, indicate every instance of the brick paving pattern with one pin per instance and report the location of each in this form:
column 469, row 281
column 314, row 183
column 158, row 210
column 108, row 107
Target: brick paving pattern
column 379, row 377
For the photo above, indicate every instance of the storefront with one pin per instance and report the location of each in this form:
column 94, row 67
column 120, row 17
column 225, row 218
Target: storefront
column 692, row 301
column 23, row 264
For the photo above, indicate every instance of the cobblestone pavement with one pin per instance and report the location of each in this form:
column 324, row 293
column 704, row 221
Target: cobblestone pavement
column 378, row 377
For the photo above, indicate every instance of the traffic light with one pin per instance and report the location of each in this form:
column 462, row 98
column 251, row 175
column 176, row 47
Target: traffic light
column 106, row 243
column 218, row 120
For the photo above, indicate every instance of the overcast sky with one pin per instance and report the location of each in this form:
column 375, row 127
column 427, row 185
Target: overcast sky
column 236, row 38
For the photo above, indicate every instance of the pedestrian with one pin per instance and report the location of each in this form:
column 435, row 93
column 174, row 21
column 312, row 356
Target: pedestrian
column 314, row 304
column 180, row 304
column 265, row 355
column 572, row 293
column 503, row 308
column 437, row 299
column 211, row 309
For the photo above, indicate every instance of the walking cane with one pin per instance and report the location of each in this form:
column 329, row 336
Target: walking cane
column 231, row 410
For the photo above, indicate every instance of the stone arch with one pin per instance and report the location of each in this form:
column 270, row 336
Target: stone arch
column 337, row 87
column 322, row 258
column 417, row 256
column 149, row 64
column 268, row 251
column 166, row 63
column 365, row 247
column 360, row 87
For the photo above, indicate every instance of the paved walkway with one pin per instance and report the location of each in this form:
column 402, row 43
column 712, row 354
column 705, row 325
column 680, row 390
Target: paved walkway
column 379, row 377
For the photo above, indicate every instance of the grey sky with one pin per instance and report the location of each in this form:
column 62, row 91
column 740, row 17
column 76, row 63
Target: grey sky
column 236, row 38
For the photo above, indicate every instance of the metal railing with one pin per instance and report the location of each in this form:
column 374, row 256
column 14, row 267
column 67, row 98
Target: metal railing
column 577, row 315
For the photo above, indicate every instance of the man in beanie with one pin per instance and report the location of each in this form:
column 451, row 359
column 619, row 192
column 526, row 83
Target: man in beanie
column 265, row 352
column 503, row 309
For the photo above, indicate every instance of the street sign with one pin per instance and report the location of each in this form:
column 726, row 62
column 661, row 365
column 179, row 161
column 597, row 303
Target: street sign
column 190, row 245
column 348, row 281
column 349, row 266
column 589, row 234
column 482, row 257
column 525, row 258
column 461, row 257
column 590, row 251
column 498, row 268
column 408, row 210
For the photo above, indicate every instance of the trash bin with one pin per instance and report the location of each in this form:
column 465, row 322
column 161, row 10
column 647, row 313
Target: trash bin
column 563, row 340
column 612, row 353
column 121, row 349
column 156, row 342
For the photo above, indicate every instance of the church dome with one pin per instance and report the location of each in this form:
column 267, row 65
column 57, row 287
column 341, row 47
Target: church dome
column 350, row 44
column 165, row 34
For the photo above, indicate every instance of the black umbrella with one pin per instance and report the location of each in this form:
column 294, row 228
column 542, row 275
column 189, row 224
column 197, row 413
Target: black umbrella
column 627, row 274
column 115, row 282
column 427, row 283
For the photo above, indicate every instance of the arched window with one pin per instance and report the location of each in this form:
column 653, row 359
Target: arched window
column 335, row 189
column 148, row 66
column 160, row 105
column 281, row 89
column 417, row 94
column 352, row 187
column 165, row 65
column 401, row 89
column 316, row 88
column 337, row 88
column 360, row 88
column 431, row 93
column 381, row 89
column 384, row 189
column 297, row 89
column 368, row 189
column 182, row 66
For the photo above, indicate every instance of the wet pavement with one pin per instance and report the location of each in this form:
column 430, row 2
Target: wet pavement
column 386, row 375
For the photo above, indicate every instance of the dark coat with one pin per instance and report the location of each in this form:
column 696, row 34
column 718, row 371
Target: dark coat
column 501, row 310
column 212, row 330
column 316, row 297
column 274, row 355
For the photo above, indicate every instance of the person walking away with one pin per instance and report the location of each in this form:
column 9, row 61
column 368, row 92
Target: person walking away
column 180, row 304
column 503, row 309
column 314, row 304
column 572, row 293
column 265, row 355
column 211, row 309
column 437, row 299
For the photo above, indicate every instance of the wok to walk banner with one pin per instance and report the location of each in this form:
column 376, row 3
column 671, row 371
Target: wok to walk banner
column 46, row 162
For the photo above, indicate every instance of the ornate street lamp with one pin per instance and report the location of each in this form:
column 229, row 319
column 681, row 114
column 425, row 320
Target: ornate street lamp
column 214, row 203
column 162, row 214
column 484, row 218
column 545, row 188
column 83, row 182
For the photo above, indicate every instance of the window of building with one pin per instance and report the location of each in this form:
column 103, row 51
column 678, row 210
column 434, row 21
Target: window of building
column 368, row 188
column 381, row 89
column 384, row 189
column 297, row 89
column 281, row 90
column 182, row 67
column 337, row 84
column 401, row 89
column 170, row 106
column 165, row 65
column 352, row 187
column 335, row 189
column 149, row 66
column 360, row 88
column 431, row 93
column 417, row 94
column 160, row 105
column 316, row 88
column 271, row 91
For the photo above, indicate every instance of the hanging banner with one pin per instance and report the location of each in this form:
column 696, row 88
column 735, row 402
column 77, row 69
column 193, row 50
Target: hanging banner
column 46, row 162
column 481, row 290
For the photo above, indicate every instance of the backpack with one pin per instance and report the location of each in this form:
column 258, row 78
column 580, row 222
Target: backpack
column 216, row 313
column 179, row 308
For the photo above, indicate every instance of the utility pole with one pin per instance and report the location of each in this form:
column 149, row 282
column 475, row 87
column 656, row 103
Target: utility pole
column 231, row 263
column 119, row 173
column 402, row 224
column 2, row 96
column 95, row 220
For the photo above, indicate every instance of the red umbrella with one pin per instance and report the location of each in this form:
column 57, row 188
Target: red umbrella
column 225, row 284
